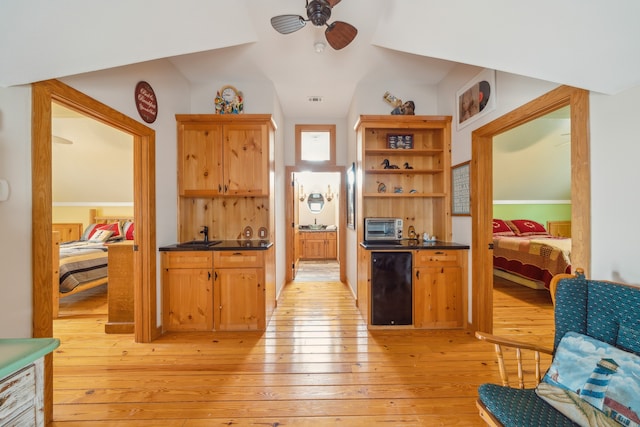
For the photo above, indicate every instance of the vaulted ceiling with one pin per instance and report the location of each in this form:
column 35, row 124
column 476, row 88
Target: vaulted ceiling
column 585, row 43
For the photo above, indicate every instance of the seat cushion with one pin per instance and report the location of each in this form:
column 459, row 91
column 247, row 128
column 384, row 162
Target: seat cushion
column 517, row 408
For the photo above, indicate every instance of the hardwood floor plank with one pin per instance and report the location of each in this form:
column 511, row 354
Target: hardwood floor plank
column 315, row 365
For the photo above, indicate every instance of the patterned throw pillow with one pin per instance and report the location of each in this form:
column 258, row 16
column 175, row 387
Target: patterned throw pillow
column 593, row 383
column 500, row 228
column 526, row 227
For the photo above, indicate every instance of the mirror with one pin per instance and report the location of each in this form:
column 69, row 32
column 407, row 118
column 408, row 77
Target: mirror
column 315, row 201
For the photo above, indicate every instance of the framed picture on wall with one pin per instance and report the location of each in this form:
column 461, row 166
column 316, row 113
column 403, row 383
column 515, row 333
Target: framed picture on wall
column 460, row 190
column 476, row 98
column 351, row 197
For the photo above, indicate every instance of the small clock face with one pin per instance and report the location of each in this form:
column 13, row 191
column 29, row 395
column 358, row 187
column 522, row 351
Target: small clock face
column 229, row 94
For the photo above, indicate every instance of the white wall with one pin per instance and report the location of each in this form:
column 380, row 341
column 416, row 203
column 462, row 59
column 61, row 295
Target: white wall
column 615, row 198
column 15, row 213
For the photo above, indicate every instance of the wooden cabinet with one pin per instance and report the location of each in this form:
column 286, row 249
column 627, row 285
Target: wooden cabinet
column 21, row 396
column 218, row 155
column 120, row 318
column 439, row 289
column 22, row 381
column 217, row 290
column 225, row 174
column 187, row 294
column 332, row 245
column 415, row 186
column 239, row 290
column 318, row 245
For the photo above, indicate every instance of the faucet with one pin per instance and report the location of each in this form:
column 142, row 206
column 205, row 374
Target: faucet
column 205, row 231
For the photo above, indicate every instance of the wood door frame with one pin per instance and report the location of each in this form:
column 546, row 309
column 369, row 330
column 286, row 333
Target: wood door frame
column 290, row 220
column 482, row 194
column 43, row 93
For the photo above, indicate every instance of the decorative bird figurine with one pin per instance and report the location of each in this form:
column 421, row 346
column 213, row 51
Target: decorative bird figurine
column 386, row 164
column 407, row 165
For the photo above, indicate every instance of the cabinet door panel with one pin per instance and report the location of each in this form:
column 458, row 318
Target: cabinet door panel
column 188, row 299
column 200, row 158
column 438, row 297
column 246, row 159
column 241, row 294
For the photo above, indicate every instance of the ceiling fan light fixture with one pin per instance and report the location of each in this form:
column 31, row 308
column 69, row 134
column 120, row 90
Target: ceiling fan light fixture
column 318, row 12
column 319, row 47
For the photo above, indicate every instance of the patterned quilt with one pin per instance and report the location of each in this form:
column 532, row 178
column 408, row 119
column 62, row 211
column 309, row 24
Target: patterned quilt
column 81, row 262
column 533, row 257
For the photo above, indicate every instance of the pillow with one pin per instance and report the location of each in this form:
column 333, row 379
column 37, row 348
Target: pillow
column 88, row 232
column 500, row 228
column 101, row 236
column 588, row 374
column 114, row 227
column 526, row 227
column 128, row 230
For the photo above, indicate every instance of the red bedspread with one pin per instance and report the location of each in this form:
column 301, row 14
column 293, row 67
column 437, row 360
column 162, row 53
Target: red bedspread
column 533, row 257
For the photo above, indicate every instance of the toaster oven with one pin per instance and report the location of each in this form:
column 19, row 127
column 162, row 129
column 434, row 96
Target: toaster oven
column 382, row 229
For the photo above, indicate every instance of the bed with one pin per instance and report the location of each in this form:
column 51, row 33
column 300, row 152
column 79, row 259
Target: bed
column 81, row 261
column 526, row 253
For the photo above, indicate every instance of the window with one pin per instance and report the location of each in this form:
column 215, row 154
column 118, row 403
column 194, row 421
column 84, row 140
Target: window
column 315, row 144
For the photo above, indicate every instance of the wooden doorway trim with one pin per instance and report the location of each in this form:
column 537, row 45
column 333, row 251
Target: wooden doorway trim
column 290, row 220
column 144, row 280
column 482, row 194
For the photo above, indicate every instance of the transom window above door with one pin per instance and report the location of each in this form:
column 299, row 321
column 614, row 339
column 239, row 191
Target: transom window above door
column 315, row 144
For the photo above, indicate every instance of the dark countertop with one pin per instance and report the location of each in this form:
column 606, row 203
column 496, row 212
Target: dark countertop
column 411, row 244
column 224, row 245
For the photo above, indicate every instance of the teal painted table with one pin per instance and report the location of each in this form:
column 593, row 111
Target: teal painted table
column 22, row 379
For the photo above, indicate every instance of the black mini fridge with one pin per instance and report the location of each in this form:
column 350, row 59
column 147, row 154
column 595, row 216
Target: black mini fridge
column 391, row 288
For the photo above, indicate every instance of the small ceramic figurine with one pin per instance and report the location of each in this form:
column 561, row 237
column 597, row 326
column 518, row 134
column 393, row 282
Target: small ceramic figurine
column 386, row 165
column 406, row 109
column 407, row 165
column 399, row 108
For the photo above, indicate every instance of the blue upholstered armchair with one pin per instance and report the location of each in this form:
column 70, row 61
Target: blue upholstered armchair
column 606, row 311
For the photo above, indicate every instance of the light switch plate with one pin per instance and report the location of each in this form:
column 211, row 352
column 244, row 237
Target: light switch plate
column 4, row 190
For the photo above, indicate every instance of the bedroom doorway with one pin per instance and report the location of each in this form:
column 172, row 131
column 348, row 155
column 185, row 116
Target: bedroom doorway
column 482, row 195
column 103, row 195
column 144, row 278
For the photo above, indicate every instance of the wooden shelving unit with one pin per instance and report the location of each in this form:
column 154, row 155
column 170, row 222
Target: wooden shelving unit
column 417, row 188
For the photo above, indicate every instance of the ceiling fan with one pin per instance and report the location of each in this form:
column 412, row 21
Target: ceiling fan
column 339, row 34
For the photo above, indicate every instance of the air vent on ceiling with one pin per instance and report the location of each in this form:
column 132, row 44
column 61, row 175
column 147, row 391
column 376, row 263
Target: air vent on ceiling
column 315, row 99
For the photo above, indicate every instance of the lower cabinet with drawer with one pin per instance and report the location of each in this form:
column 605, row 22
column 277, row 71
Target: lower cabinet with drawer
column 213, row 290
column 439, row 297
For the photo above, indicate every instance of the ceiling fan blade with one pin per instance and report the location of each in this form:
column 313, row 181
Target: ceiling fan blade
column 332, row 3
column 339, row 34
column 286, row 24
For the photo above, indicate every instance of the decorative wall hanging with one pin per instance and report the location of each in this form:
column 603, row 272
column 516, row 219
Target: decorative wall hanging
column 460, row 190
column 476, row 98
column 351, row 197
column 229, row 100
column 146, row 102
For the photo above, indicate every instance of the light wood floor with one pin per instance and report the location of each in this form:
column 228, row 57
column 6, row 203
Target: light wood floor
column 316, row 365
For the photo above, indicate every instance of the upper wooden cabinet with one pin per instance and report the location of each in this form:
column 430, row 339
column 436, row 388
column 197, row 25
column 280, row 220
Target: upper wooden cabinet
column 224, row 154
column 405, row 165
